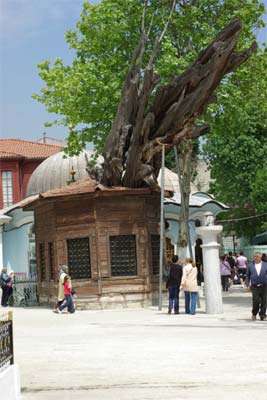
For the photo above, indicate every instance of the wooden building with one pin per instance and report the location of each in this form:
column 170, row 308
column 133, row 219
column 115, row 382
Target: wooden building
column 107, row 236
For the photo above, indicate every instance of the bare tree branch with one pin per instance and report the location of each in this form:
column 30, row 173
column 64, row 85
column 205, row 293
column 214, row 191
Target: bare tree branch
column 159, row 38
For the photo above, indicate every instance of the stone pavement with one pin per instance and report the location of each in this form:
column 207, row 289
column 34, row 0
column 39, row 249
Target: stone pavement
column 142, row 354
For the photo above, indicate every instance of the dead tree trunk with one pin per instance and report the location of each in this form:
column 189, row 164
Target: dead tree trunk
column 132, row 151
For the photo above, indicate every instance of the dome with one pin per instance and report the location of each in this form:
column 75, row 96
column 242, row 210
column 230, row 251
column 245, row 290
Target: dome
column 54, row 172
column 171, row 181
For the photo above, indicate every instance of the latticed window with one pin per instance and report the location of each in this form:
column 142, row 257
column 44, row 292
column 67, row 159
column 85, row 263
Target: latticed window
column 79, row 258
column 155, row 248
column 169, row 249
column 7, row 188
column 123, row 255
column 51, row 260
column 42, row 261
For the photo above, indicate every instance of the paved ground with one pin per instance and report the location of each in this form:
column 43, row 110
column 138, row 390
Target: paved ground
column 142, row 354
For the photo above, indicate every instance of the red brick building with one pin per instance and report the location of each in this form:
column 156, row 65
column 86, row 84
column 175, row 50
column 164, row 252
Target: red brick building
column 18, row 160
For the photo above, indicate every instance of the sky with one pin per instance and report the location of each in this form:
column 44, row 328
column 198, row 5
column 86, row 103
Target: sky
column 32, row 31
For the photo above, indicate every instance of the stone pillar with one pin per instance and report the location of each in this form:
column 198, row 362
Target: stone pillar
column 211, row 266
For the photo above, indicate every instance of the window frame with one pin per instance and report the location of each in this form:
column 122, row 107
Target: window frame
column 7, row 188
column 89, row 256
column 151, row 252
column 136, row 254
column 43, row 275
column 51, row 260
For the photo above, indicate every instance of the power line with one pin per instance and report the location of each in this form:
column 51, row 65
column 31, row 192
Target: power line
column 241, row 219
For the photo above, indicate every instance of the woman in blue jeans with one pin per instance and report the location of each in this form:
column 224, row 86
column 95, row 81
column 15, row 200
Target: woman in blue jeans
column 189, row 284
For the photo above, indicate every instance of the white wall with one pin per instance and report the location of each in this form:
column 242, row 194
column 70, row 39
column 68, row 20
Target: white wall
column 10, row 383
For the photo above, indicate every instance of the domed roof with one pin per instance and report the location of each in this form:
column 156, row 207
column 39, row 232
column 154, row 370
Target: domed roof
column 171, row 181
column 54, row 172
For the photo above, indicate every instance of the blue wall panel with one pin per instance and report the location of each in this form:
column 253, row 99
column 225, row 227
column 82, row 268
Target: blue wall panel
column 15, row 248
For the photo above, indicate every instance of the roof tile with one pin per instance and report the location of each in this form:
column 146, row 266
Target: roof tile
column 16, row 148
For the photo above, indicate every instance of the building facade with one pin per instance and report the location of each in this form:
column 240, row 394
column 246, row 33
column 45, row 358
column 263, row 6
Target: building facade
column 107, row 236
column 18, row 160
column 18, row 226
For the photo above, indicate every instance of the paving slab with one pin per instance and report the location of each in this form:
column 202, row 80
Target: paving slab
column 142, row 354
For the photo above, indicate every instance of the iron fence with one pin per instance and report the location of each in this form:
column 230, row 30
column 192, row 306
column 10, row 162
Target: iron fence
column 6, row 340
column 24, row 290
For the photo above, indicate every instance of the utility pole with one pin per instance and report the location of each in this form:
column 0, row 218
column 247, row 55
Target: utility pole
column 161, row 252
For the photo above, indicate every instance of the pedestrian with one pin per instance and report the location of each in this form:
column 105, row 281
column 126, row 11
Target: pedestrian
column 225, row 270
column 257, row 280
column 173, row 284
column 264, row 257
column 4, row 280
column 68, row 300
column 232, row 261
column 200, row 279
column 189, row 284
column 63, row 271
column 166, row 269
column 241, row 263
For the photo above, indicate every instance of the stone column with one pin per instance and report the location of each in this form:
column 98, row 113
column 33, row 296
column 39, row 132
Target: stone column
column 211, row 266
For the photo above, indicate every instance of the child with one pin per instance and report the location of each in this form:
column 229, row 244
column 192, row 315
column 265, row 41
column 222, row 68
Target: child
column 68, row 300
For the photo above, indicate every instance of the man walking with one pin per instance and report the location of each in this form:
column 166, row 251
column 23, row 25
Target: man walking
column 257, row 279
column 173, row 284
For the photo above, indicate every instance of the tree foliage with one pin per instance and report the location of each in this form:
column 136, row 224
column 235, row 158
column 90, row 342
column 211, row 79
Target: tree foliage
column 86, row 93
column 237, row 146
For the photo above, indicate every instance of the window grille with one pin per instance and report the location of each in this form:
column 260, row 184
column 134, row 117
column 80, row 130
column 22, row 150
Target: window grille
column 123, row 255
column 155, row 248
column 42, row 261
column 169, row 251
column 51, row 260
column 7, row 188
column 79, row 258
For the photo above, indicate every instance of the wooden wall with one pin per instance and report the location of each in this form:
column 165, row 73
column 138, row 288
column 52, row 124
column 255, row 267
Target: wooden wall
column 99, row 218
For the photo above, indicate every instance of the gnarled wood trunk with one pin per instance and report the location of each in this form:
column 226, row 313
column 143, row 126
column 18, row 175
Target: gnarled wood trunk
column 132, row 150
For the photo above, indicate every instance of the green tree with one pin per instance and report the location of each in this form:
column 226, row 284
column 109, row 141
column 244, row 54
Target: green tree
column 236, row 147
column 86, row 93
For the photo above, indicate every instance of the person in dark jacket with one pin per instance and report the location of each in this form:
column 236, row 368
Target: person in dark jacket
column 173, row 284
column 4, row 283
column 257, row 280
column 232, row 262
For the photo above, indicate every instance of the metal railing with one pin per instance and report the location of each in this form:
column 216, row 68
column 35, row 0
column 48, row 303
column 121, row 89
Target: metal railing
column 24, row 290
column 6, row 340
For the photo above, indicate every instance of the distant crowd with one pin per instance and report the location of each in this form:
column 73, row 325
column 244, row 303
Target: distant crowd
column 234, row 269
